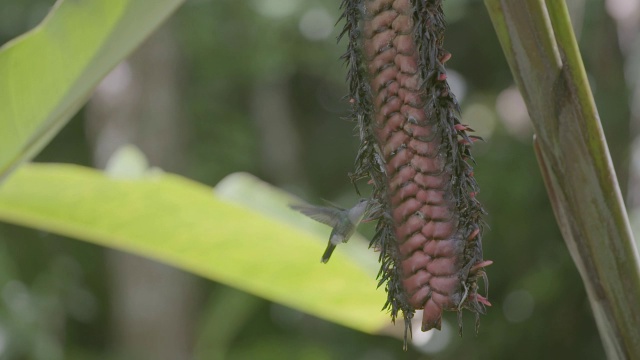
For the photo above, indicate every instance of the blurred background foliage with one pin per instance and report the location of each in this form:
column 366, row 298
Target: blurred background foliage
column 257, row 86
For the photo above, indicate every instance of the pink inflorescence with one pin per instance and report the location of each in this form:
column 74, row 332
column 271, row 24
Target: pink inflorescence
column 416, row 153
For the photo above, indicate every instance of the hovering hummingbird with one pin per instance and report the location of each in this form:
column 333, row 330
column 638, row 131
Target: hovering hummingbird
column 343, row 221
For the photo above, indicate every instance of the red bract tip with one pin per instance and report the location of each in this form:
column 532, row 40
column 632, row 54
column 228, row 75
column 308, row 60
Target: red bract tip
column 445, row 57
column 483, row 300
column 469, row 140
column 480, row 265
column 460, row 127
column 473, row 194
column 442, row 77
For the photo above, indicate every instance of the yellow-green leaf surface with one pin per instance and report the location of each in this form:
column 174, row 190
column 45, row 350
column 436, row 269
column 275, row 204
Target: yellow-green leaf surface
column 47, row 74
column 270, row 252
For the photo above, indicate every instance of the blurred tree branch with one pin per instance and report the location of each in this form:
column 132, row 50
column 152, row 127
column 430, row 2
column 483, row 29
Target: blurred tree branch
column 543, row 55
column 139, row 102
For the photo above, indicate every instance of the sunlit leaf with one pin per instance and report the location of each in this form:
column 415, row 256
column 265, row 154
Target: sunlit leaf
column 182, row 223
column 47, row 74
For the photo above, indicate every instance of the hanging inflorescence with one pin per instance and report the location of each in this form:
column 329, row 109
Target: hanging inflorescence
column 415, row 152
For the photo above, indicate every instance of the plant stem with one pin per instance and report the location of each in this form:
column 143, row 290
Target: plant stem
column 543, row 55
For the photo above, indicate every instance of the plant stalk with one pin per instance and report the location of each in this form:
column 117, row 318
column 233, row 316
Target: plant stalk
column 543, row 55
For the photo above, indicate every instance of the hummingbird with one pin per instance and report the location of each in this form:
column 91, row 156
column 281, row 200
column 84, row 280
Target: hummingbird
column 343, row 221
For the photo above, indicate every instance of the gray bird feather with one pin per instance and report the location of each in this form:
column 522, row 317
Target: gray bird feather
column 343, row 221
column 326, row 215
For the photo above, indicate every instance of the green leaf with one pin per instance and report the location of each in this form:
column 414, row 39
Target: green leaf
column 274, row 254
column 47, row 74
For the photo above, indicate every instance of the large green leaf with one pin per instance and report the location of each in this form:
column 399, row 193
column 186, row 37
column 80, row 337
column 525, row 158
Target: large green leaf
column 47, row 74
column 272, row 252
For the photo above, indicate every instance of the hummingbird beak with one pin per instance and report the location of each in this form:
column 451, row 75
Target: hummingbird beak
column 373, row 211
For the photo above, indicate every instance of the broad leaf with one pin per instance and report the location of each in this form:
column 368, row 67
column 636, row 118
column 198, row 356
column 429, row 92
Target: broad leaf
column 274, row 253
column 47, row 74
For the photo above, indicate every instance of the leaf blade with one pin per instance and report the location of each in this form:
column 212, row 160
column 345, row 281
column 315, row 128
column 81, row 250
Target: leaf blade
column 47, row 74
column 182, row 223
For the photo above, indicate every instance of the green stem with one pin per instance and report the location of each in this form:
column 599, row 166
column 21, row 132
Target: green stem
column 540, row 47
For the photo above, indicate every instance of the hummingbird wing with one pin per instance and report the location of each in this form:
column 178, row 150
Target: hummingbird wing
column 333, row 204
column 326, row 215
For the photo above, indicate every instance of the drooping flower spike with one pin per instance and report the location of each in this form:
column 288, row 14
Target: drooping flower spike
column 415, row 153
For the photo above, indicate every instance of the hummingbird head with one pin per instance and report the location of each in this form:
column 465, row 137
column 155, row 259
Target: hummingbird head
column 364, row 203
column 357, row 212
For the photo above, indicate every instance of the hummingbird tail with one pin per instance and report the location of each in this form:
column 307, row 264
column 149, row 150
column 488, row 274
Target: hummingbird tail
column 327, row 253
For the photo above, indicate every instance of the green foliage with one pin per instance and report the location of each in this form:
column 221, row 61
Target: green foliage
column 227, row 48
column 183, row 223
column 47, row 74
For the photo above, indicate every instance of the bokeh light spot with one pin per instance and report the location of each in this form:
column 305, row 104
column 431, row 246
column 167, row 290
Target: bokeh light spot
column 518, row 306
column 316, row 24
column 513, row 113
column 481, row 118
column 457, row 83
column 432, row 341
